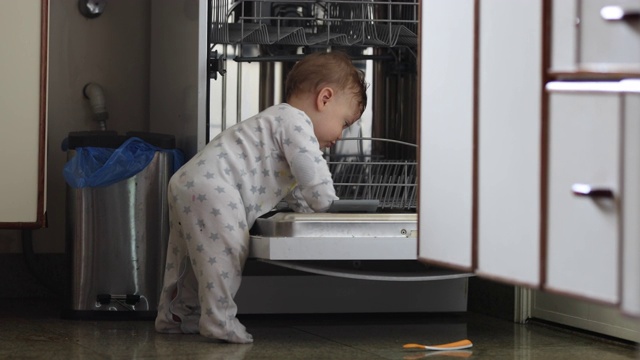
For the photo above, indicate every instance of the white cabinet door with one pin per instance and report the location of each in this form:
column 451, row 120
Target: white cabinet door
column 446, row 107
column 509, row 120
column 583, row 239
column 23, row 49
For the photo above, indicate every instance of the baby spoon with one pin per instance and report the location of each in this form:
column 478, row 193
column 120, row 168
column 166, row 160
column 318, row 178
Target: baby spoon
column 462, row 344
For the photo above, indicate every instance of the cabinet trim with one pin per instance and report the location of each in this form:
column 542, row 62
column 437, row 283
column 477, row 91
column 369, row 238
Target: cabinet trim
column 544, row 135
column 475, row 172
column 592, row 75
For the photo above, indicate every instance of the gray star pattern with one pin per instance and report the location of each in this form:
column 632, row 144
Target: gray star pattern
column 223, row 300
column 248, row 170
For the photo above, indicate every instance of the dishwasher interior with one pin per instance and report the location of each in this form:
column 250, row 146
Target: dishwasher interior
column 377, row 158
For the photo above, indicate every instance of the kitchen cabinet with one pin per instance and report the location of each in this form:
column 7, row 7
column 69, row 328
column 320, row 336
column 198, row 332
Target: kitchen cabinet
column 585, row 189
column 23, row 74
column 480, row 137
column 509, row 126
column 446, row 107
column 593, row 203
column 593, row 197
column 598, row 36
column 498, row 201
column 591, row 277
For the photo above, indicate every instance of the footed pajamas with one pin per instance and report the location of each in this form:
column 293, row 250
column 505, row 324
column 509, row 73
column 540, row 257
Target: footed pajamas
column 215, row 198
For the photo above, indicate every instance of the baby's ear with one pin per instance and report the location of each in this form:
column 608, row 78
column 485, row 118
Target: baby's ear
column 324, row 95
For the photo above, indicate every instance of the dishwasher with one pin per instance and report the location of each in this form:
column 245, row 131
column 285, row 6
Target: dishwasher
column 369, row 247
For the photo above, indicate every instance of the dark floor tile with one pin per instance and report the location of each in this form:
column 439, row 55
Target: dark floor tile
column 32, row 329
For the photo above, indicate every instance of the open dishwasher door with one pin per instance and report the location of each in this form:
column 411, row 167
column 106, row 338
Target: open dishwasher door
column 335, row 236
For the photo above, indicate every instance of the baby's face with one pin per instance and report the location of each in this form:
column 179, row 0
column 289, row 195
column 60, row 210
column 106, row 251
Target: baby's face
column 340, row 113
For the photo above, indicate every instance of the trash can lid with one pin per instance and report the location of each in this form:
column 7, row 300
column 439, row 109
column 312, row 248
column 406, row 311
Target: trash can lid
column 105, row 139
column 111, row 139
column 163, row 141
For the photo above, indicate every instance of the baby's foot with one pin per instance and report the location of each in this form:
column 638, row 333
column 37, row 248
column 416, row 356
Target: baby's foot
column 230, row 331
column 245, row 338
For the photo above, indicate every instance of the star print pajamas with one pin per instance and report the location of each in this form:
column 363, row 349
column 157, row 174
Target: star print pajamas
column 215, row 198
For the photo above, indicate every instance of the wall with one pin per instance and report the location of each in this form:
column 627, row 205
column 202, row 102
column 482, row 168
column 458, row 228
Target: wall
column 111, row 50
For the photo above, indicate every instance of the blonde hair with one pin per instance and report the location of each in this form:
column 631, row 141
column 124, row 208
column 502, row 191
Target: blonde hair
column 321, row 69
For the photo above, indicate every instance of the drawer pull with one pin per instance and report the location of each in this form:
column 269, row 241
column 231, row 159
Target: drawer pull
column 615, row 13
column 590, row 191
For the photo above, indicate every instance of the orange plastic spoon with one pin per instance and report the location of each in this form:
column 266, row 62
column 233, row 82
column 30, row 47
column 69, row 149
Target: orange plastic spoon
column 458, row 345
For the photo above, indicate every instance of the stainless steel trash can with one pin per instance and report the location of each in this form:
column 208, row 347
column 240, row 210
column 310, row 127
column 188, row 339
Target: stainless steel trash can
column 117, row 235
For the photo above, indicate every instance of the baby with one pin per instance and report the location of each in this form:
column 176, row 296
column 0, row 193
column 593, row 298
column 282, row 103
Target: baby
column 215, row 198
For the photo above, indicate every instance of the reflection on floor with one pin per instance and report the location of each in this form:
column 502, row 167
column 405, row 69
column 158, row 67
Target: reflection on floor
column 31, row 329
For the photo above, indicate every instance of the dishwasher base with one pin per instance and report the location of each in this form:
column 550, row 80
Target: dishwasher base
column 314, row 294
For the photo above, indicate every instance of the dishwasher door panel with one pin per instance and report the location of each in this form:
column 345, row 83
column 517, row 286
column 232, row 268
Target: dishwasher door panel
column 329, row 236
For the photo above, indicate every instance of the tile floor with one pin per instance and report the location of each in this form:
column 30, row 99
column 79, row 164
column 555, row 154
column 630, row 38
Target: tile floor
column 31, row 330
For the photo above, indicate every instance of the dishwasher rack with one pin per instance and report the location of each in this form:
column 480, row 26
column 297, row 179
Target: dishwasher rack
column 369, row 177
column 306, row 23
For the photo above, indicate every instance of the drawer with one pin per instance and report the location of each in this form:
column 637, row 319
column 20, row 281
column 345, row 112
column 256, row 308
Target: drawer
column 596, row 35
column 584, row 190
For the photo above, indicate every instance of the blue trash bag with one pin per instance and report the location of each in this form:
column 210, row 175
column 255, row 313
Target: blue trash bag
column 98, row 166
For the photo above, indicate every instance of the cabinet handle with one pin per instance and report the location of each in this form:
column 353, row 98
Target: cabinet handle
column 617, row 12
column 590, row 191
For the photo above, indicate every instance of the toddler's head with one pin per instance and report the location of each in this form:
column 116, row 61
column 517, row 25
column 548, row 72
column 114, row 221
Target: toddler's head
column 322, row 69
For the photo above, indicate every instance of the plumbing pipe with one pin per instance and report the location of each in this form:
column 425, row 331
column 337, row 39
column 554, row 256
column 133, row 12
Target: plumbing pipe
column 95, row 94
